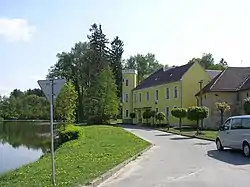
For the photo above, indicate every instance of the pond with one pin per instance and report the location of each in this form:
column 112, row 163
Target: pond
column 22, row 143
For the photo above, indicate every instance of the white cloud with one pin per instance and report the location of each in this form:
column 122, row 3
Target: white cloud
column 16, row 29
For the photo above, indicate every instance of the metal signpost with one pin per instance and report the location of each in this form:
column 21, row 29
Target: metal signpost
column 51, row 88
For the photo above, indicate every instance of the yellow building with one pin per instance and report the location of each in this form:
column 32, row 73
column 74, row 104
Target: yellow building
column 163, row 90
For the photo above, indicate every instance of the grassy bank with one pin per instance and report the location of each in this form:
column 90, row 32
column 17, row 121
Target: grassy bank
column 79, row 161
column 206, row 134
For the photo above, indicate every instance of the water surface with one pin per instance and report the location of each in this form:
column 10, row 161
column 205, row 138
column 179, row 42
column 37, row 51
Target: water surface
column 22, row 143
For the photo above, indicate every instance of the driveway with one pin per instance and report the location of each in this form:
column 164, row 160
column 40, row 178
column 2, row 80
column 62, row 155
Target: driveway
column 177, row 161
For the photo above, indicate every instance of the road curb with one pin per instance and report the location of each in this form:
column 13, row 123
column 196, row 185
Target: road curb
column 115, row 169
column 201, row 138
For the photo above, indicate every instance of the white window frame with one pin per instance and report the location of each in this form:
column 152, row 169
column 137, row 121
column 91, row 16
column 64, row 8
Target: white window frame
column 148, row 96
column 135, row 97
column 167, row 95
column 157, row 95
column 126, row 98
column 176, row 88
column 126, row 113
column 126, row 82
column 140, row 97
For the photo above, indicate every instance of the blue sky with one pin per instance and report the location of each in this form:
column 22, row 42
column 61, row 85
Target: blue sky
column 33, row 32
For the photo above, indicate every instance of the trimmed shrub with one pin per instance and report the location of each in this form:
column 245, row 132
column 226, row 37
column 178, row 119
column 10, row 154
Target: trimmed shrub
column 70, row 132
column 153, row 115
column 146, row 115
column 179, row 113
column 196, row 113
column 222, row 107
column 160, row 116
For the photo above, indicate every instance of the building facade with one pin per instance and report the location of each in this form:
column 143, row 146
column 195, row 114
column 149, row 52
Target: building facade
column 162, row 91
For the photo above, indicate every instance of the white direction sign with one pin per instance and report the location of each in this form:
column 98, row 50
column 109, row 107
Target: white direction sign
column 50, row 87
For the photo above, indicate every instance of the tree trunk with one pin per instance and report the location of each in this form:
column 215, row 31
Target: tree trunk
column 197, row 123
column 180, row 124
column 221, row 117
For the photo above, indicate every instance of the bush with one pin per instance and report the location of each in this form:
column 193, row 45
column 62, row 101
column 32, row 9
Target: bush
column 179, row 113
column 1, row 119
column 196, row 113
column 246, row 105
column 160, row 116
column 70, row 132
column 146, row 115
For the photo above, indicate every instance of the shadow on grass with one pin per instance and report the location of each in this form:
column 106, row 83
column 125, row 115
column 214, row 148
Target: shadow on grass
column 181, row 138
column 230, row 156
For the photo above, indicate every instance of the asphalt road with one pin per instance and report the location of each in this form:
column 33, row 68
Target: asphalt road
column 177, row 161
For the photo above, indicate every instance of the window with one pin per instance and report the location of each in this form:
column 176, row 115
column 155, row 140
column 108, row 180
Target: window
column 175, row 92
column 237, row 96
column 167, row 112
column 156, row 95
column 126, row 113
column 126, row 98
column 134, row 98
column 227, row 124
column 126, row 82
column 236, row 124
column 247, row 94
column 245, row 123
column 167, row 93
column 139, row 97
column 156, row 110
column 147, row 96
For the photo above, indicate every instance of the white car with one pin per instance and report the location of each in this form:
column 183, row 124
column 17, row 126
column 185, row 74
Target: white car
column 235, row 134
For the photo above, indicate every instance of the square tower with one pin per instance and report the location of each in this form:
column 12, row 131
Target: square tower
column 129, row 82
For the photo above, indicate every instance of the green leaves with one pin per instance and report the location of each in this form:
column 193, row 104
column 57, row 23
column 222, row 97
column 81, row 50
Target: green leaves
column 246, row 105
column 65, row 105
column 196, row 113
column 223, row 106
column 102, row 96
column 144, row 64
column 179, row 112
column 160, row 116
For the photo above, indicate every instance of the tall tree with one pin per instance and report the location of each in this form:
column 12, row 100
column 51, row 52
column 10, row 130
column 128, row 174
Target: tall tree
column 144, row 64
column 116, row 52
column 207, row 62
column 65, row 105
column 102, row 97
column 98, row 47
column 75, row 67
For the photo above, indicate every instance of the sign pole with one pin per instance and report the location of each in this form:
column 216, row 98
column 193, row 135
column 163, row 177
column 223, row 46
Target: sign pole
column 52, row 132
column 51, row 89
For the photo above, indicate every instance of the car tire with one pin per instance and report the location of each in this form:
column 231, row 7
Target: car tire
column 219, row 145
column 246, row 149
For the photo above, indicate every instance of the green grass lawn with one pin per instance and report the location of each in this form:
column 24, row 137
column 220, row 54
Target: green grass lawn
column 79, row 161
column 206, row 134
